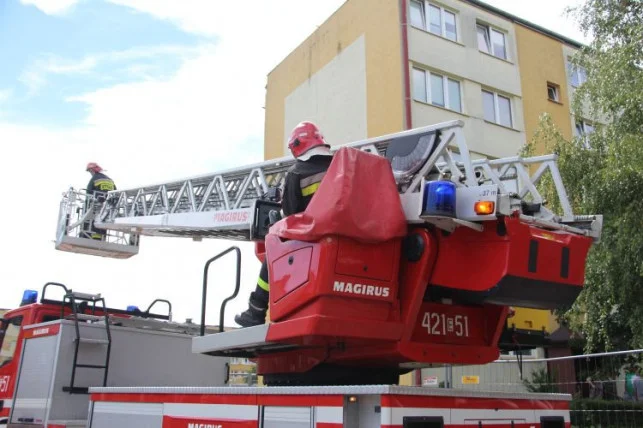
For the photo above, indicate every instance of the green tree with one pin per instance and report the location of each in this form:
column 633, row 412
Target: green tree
column 603, row 172
column 541, row 381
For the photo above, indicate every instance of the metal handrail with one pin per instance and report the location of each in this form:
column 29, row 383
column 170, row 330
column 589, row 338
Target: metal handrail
column 205, row 287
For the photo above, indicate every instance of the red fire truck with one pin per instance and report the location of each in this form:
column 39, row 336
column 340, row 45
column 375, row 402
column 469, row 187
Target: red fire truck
column 409, row 255
column 53, row 350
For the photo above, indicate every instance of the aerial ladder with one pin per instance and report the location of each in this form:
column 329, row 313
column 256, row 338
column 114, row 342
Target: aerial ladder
column 478, row 239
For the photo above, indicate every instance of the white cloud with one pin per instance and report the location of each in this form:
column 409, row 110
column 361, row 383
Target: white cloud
column 5, row 94
column 52, row 7
column 261, row 33
column 33, row 80
column 34, row 77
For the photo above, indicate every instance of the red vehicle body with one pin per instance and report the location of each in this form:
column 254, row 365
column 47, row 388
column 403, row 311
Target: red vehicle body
column 358, row 289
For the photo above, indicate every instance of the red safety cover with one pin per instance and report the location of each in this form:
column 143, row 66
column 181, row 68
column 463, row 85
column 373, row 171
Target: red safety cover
column 357, row 198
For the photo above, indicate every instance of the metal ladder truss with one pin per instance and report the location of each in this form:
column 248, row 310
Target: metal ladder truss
column 222, row 205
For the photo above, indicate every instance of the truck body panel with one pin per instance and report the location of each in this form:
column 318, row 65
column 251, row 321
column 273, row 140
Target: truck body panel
column 323, row 407
column 140, row 357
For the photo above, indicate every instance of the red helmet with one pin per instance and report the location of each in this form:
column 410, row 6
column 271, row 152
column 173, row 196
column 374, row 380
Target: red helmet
column 93, row 166
column 304, row 137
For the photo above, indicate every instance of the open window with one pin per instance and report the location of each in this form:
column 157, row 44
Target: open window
column 10, row 330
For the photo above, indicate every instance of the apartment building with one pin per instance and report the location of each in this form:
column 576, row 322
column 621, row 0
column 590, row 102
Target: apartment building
column 381, row 66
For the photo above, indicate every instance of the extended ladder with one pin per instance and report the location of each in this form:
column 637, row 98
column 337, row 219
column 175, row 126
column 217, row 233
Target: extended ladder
column 224, row 205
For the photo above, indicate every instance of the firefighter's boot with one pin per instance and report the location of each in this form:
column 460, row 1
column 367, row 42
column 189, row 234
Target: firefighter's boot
column 256, row 312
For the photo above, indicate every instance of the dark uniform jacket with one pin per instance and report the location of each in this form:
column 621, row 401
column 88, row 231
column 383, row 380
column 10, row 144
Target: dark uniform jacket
column 302, row 181
column 100, row 183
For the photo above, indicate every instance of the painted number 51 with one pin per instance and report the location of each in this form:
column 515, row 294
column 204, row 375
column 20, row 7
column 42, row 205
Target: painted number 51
column 442, row 325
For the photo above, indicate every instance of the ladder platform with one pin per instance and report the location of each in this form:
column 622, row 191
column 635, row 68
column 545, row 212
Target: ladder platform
column 95, row 247
column 244, row 342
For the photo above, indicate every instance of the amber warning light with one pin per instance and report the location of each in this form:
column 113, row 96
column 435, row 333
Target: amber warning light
column 484, row 207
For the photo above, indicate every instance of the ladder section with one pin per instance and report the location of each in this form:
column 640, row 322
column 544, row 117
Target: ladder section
column 223, row 205
column 228, row 204
column 74, row 297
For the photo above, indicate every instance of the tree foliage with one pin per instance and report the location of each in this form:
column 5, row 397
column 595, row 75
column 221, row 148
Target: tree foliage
column 603, row 172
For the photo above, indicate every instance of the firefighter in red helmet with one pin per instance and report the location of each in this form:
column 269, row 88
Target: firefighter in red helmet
column 313, row 157
column 97, row 188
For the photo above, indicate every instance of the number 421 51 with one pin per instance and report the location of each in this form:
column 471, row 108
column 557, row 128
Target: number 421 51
column 441, row 325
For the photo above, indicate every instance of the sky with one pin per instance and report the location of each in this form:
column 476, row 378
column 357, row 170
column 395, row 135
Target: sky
column 152, row 90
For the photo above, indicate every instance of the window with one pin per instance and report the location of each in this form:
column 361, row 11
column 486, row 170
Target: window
column 577, row 75
column 492, row 41
column 553, row 92
column 497, row 108
column 9, row 339
column 440, row 21
column 524, row 352
column 417, row 14
column 436, row 89
column 583, row 128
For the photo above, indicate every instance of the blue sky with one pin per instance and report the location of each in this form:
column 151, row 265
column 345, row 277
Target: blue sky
column 47, row 59
column 153, row 90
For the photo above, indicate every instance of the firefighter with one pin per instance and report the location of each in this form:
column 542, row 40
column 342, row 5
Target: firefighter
column 313, row 155
column 97, row 188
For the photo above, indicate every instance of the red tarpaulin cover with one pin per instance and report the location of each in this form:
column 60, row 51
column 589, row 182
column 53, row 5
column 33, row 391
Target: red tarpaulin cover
column 357, row 198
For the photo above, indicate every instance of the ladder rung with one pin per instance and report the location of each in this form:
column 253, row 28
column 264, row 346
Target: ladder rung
column 76, row 389
column 91, row 366
column 94, row 341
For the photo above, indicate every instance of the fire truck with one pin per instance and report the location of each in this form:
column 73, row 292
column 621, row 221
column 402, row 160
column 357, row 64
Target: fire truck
column 53, row 350
column 410, row 255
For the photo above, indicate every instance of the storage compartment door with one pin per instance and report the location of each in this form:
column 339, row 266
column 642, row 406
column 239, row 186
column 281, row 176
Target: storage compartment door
column 34, row 380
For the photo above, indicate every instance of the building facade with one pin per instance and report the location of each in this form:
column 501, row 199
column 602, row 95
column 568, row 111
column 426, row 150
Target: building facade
column 381, row 66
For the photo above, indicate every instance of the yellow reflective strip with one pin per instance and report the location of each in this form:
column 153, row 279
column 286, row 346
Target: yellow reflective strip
column 309, row 190
column 104, row 184
column 263, row 284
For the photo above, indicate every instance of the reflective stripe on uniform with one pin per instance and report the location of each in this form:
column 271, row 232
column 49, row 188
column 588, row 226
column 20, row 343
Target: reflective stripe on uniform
column 309, row 190
column 103, row 184
column 309, row 185
column 263, row 284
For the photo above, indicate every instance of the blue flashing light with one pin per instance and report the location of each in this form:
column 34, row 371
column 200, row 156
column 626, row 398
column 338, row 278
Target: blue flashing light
column 439, row 198
column 29, row 297
column 132, row 308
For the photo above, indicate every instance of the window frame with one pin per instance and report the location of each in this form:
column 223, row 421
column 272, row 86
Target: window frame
column 574, row 71
column 445, row 89
column 6, row 323
column 556, row 89
column 488, row 29
column 496, row 106
column 529, row 353
column 422, row 14
column 584, row 124
column 425, row 9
